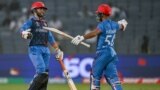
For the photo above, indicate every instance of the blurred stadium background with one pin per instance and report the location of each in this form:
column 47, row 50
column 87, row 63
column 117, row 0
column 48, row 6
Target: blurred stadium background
column 138, row 47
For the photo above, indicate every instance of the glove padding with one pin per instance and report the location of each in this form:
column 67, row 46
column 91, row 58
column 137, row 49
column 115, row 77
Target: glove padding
column 124, row 23
column 58, row 54
column 27, row 34
column 76, row 40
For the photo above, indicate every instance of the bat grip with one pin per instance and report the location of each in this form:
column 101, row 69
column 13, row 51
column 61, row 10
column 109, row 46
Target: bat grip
column 83, row 43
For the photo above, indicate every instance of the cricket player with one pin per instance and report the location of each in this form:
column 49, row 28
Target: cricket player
column 106, row 57
column 38, row 47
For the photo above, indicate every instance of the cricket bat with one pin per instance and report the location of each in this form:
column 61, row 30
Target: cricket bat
column 64, row 34
column 67, row 76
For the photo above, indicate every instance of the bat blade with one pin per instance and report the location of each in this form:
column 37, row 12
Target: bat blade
column 64, row 34
column 70, row 81
column 67, row 76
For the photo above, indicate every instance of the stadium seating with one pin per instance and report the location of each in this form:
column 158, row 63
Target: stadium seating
column 143, row 17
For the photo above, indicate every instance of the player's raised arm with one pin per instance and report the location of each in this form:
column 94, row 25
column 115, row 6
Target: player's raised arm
column 123, row 24
column 25, row 30
column 91, row 34
column 80, row 38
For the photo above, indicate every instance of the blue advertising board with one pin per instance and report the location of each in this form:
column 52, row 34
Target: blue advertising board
column 79, row 66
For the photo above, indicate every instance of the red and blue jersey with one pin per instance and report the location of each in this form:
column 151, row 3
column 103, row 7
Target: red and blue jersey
column 40, row 36
column 108, row 30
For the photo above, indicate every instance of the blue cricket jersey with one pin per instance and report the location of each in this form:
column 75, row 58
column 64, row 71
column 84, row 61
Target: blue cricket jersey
column 40, row 36
column 108, row 30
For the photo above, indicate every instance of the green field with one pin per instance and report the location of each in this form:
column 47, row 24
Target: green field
column 82, row 87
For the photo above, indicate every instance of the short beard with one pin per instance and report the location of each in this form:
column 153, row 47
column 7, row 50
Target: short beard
column 99, row 17
column 38, row 14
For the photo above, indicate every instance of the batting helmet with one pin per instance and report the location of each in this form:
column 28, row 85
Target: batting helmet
column 38, row 4
column 105, row 9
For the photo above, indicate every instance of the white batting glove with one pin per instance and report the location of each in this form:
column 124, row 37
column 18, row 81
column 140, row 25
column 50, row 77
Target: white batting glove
column 76, row 40
column 124, row 23
column 58, row 54
column 27, row 34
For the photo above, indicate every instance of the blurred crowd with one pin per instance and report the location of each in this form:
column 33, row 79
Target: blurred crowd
column 14, row 21
column 14, row 14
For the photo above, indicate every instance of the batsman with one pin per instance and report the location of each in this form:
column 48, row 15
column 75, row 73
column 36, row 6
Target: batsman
column 106, row 57
column 38, row 50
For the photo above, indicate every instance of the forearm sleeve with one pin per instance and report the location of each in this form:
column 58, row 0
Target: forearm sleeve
column 51, row 38
column 25, row 26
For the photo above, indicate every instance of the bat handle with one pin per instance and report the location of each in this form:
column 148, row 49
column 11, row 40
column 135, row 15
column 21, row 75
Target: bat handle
column 62, row 64
column 85, row 44
column 69, row 80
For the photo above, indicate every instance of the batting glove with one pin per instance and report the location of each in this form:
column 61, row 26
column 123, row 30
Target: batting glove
column 27, row 34
column 76, row 40
column 124, row 23
column 58, row 54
